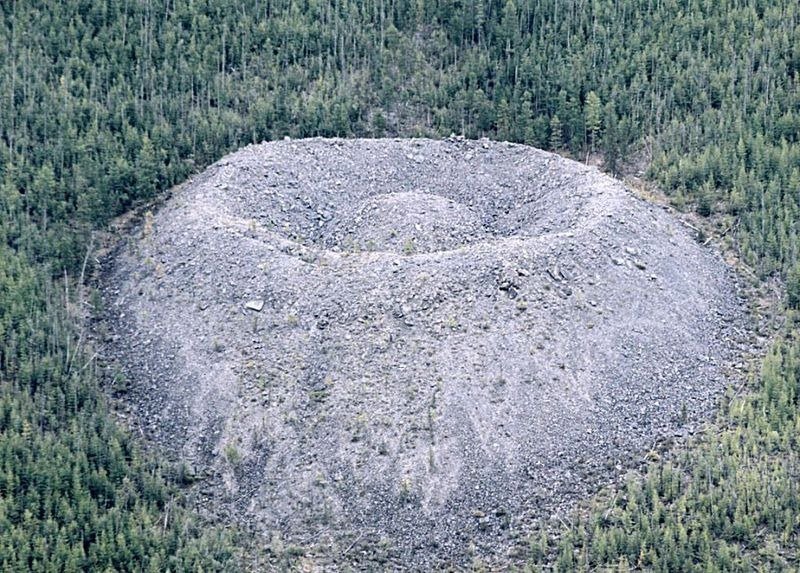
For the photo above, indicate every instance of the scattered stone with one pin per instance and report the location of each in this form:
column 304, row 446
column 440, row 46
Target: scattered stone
column 444, row 317
column 256, row 305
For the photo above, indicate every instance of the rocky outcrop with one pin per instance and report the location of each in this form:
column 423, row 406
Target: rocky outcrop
column 411, row 343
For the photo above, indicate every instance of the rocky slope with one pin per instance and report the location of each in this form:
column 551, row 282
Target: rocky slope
column 412, row 345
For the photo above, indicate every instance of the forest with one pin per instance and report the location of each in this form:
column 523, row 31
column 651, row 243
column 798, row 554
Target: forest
column 105, row 105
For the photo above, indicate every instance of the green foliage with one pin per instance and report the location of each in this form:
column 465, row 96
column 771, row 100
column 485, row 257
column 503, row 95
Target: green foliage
column 75, row 491
column 730, row 504
column 593, row 116
column 556, row 135
column 232, row 454
column 793, row 287
column 105, row 104
column 104, row 107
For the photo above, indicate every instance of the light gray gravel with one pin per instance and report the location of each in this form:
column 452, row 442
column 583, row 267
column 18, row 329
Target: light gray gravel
column 411, row 347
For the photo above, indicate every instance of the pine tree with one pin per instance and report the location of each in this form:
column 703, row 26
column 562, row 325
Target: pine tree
column 593, row 112
column 556, row 141
column 793, row 287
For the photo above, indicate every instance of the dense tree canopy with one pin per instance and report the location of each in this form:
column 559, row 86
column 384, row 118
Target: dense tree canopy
column 105, row 104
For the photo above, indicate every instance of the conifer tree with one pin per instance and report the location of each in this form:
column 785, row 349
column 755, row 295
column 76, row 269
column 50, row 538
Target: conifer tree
column 593, row 111
column 556, row 141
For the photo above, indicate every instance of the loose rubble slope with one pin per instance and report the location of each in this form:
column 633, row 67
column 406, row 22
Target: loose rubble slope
column 416, row 342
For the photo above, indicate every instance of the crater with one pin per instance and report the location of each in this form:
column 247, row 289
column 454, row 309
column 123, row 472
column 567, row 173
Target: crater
column 405, row 222
column 417, row 346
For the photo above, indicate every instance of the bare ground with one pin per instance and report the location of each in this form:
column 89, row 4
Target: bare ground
column 402, row 351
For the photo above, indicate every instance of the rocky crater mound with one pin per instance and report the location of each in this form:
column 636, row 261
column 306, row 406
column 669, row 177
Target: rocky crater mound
column 410, row 343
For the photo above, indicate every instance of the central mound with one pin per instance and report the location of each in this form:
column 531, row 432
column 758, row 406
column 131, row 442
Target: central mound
column 416, row 344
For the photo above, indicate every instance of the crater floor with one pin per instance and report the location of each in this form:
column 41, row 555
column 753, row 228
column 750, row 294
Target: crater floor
column 410, row 344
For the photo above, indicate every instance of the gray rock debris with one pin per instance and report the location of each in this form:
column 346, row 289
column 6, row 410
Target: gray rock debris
column 255, row 305
column 379, row 340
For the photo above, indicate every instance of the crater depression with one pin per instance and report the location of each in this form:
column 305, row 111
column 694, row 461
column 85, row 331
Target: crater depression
column 411, row 343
